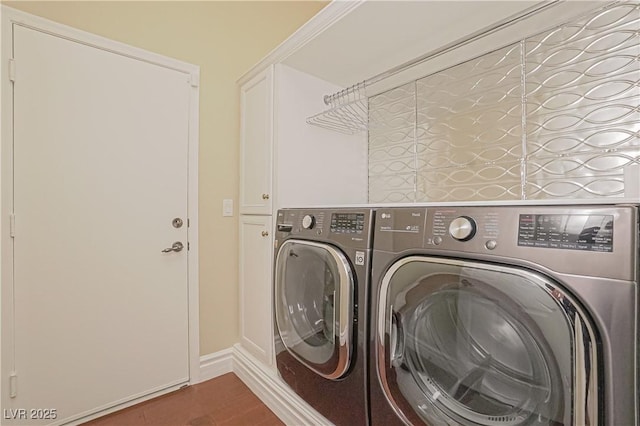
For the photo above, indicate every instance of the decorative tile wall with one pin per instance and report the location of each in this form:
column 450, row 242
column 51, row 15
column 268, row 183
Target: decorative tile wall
column 555, row 116
column 393, row 159
column 583, row 106
column 470, row 123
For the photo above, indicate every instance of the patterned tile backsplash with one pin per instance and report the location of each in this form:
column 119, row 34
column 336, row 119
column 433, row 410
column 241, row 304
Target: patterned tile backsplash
column 555, row 116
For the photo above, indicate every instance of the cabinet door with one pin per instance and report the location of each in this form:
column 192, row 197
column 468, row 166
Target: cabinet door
column 256, row 142
column 256, row 300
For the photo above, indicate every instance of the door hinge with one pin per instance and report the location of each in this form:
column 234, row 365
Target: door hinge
column 188, row 246
column 12, row 70
column 13, row 384
column 194, row 79
column 12, row 225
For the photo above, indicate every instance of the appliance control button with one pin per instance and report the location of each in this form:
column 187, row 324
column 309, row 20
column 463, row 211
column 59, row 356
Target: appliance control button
column 462, row 228
column 491, row 244
column 437, row 240
column 308, row 221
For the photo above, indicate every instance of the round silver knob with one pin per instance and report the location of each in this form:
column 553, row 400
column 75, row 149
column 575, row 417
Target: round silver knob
column 308, row 221
column 462, row 228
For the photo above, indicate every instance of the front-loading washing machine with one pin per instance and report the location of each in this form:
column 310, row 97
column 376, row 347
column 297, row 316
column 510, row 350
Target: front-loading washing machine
column 505, row 315
column 320, row 295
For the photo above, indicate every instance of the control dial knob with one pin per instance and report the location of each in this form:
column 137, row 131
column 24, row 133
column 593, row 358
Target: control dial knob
column 308, row 221
column 462, row 228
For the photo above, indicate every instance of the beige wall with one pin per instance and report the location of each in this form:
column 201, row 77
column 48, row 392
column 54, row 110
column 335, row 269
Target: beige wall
column 225, row 39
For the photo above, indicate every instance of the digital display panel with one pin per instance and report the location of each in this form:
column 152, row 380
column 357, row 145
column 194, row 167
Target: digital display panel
column 347, row 223
column 568, row 232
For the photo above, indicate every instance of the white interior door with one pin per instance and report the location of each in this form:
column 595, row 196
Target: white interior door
column 100, row 172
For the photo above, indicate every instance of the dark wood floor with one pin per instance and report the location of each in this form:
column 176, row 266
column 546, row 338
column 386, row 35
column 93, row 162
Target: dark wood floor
column 223, row 401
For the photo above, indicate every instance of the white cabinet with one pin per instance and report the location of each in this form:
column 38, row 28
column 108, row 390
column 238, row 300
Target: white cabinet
column 256, row 251
column 256, row 143
column 255, row 206
column 285, row 163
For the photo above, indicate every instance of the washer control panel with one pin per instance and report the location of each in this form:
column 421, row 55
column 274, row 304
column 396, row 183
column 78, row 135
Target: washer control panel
column 347, row 223
column 348, row 227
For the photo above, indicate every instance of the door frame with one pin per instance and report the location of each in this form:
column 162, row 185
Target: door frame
column 10, row 17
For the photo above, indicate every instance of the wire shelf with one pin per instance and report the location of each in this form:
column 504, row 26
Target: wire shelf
column 347, row 113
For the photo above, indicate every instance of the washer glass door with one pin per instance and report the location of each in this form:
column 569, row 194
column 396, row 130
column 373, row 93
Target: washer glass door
column 468, row 343
column 314, row 287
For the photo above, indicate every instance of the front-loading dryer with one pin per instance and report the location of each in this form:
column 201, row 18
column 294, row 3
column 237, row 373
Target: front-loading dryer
column 320, row 295
column 505, row 316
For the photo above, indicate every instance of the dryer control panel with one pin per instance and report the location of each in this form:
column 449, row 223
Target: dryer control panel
column 570, row 232
column 596, row 240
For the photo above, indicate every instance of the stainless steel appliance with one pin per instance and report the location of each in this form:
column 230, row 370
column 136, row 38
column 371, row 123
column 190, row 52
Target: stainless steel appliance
column 320, row 294
column 511, row 315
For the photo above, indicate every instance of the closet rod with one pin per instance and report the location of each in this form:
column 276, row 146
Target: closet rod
column 440, row 51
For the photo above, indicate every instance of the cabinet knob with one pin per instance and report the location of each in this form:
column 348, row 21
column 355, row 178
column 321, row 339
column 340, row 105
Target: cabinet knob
column 265, row 196
column 265, row 233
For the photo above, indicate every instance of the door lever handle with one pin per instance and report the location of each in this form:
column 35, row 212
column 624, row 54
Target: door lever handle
column 177, row 246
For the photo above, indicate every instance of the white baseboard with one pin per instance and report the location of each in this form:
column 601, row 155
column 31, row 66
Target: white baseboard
column 274, row 392
column 215, row 364
column 263, row 382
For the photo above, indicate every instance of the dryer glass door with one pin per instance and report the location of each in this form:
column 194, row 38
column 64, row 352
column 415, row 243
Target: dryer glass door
column 314, row 286
column 468, row 343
